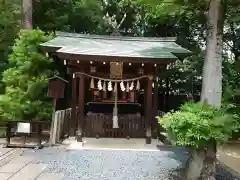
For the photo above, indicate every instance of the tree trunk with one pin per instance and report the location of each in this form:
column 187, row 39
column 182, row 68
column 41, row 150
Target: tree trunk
column 201, row 165
column 212, row 72
column 27, row 14
column 203, row 162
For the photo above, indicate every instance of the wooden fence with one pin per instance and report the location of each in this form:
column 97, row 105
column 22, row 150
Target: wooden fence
column 60, row 125
column 101, row 125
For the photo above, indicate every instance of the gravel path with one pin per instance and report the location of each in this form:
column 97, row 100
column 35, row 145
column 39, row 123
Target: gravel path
column 117, row 165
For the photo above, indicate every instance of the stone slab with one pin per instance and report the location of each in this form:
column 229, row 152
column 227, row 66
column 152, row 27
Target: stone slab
column 5, row 176
column 29, row 172
column 120, row 143
column 4, row 151
column 16, row 164
column 50, row 176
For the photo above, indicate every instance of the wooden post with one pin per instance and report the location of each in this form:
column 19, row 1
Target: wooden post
column 81, row 108
column 8, row 134
column 155, row 99
column 148, row 109
column 52, row 123
column 39, row 131
column 155, row 125
column 74, row 108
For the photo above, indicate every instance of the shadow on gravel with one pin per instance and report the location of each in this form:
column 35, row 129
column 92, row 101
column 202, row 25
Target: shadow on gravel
column 221, row 174
column 181, row 155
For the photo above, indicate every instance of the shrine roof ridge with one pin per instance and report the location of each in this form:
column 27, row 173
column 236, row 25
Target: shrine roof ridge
column 102, row 46
column 58, row 77
column 120, row 38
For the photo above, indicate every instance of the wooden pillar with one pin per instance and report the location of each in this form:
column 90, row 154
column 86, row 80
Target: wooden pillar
column 155, row 99
column 74, row 110
column 148, row 110
column 155, row 125
column 81, row 108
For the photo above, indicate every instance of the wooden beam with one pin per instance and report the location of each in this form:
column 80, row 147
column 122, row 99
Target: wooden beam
column 82, row 57
column 72, row 131
column 81, row 108
column 148, row 110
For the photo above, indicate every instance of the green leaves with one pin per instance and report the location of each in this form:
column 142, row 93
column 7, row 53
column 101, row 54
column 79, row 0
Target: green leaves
column 195, row 124
column 26, row 82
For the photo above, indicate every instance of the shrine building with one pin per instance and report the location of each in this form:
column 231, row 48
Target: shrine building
column 106, row 75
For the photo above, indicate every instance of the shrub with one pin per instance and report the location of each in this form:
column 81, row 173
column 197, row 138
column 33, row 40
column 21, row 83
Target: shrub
column 196, row 124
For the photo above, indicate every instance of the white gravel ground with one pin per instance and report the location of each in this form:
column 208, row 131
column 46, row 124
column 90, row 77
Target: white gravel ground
column 116, row 165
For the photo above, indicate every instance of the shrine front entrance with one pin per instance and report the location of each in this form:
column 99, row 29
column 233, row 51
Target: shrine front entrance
column 99, row 110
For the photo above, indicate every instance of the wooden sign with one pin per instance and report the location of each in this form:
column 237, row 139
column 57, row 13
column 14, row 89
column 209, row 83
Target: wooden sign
column 116, row 70
column 56, row 87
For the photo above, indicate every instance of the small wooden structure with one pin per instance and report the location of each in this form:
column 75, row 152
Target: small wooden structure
column 56, row 90
column 56, row 87
column 114, row 71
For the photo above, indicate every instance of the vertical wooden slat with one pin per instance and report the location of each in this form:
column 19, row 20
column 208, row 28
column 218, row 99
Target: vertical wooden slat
column 39, row 131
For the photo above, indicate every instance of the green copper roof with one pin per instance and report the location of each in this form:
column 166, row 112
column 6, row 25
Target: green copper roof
column 121, row 46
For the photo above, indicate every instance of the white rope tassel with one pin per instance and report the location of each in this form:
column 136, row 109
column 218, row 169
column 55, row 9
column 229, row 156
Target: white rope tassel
column 115, row 87
column 115, row 109
column 104, row 86
column 127, row 88
column 122, row 86
column 115, row 119
column 131, row 86
column 99, row 85
column 92, row 84
column 109, row 86
column 138, row 85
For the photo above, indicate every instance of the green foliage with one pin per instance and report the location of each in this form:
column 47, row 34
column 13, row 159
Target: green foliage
column 196, row 124
column 76, row 15
column 9, row 26
column 26, row 81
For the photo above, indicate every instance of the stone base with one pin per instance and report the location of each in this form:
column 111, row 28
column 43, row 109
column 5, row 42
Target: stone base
column 148, row 140
column 79, row 138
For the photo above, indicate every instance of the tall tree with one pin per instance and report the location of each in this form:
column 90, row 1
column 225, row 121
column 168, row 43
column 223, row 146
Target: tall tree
column 27, row 14
column 212, row 72
column 203, row 161
column 212, row 76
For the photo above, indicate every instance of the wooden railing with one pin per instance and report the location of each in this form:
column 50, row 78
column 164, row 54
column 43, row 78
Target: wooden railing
column 101, row 125
column 36, row 129
column 39, row 130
